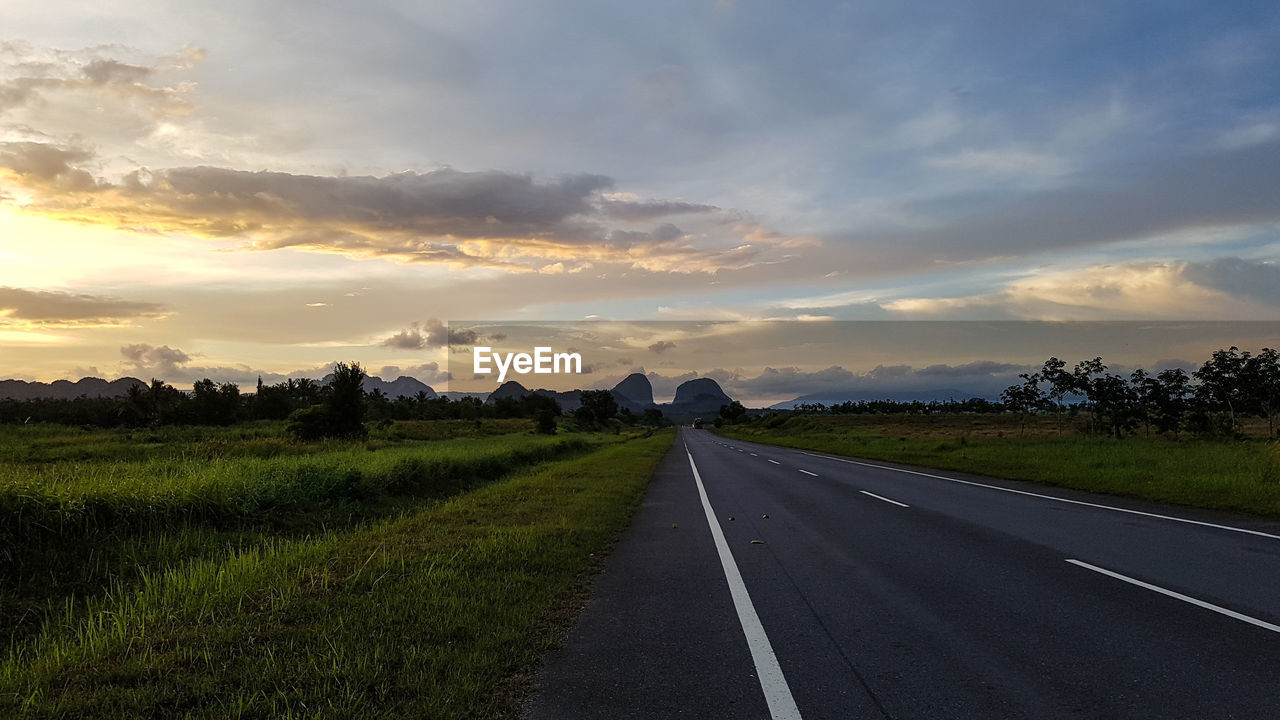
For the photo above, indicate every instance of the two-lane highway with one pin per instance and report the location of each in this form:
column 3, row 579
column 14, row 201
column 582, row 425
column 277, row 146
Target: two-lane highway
column 758, row 581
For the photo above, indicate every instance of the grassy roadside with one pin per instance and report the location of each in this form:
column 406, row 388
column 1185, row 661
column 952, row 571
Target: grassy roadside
column 1241, row 476
column 437, row 614
column 76, row 527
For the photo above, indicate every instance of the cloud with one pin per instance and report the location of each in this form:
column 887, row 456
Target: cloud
column 650, row 209
column 101, row 72
column 969, row 370
column 1220, row 188
column 447, row 216
column 51, row 309
column 661, row 346
column 1249, row 135
column 1003, row 161
column 429, row 373
column 980, row 378
column 173, row 365
column 1220, row 289
column 1250, row 279
column 53, row 85
column 429, row 335
column 162, row 362
column 48, row 167
column 78, row 372
column 984, row 378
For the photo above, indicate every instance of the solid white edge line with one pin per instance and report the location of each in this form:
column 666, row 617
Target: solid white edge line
column 806, row 472
column 777, row 694
column 775, row 462
column 1259, row 533
column 1179, row 596
column 892, row 502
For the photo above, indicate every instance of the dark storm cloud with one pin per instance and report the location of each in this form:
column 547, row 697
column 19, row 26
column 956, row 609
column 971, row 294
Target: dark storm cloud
column 975, row 379
column 441, row 202
column 648, row 210
column 791, row 380
column 968, row 370
column 1242, row 278
column 980, row 378
column 661, row 346
column 47, row 307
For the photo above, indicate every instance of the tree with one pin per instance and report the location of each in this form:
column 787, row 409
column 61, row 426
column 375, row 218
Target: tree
column 1083, row 376
column 1260, row 375
column 272, row 402
column 213, row 404
column 1169, row 397
column 154, row 404
column 1024, row 399
column 1114, row 404
column 345, row 400
column 733, row 412
column 1061, row 384
column 598, row 406
column 1144, row 388
column 341, row 415
column 653, row 417
column 1221, row 387
column 545, row 422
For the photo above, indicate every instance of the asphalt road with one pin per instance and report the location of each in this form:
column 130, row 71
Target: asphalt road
column 870, row 590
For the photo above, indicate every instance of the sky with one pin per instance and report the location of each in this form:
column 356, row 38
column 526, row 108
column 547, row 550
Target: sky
column 236, row 189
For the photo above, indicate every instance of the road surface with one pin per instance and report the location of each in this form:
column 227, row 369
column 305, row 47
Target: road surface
column 764, row 582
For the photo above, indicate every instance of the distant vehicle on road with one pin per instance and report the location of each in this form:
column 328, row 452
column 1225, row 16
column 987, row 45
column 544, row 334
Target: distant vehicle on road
column 697, row 423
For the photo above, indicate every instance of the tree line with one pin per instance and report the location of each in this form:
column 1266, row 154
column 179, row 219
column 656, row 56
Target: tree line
column 1230, row 385
column 903, row 407
column 337, row 408
column 1211, row 400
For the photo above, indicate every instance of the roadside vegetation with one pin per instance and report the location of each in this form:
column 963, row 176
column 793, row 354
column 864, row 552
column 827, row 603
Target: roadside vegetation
column 441, row 612
column 1241, row 474
column 335, row 555
column 337, row 408
column 71, row 527
column 1205, row 438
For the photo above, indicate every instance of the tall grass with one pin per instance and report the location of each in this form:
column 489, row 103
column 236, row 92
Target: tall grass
column 438, row 614
column 73, row 527
column 43, row 443
column 76, row 502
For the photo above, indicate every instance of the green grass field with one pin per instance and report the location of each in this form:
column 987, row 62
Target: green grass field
column 1240, row 475
column 198, row 575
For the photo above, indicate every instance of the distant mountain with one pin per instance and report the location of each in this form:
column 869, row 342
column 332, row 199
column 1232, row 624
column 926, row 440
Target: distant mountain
column 456, row 395
column 835, row 397
column 508, row 389
column 569, row 400
column 693, row 398
column 699, row 394
column 402, row 386
column 65, row 389
column 635, row 393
